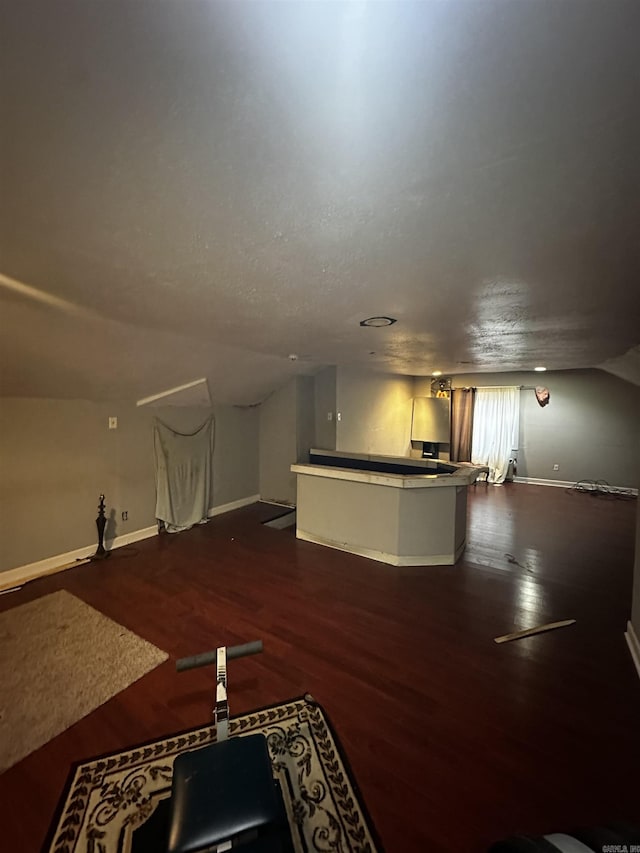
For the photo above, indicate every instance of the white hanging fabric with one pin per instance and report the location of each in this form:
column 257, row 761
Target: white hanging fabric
column 496, row 421
column 184, row 463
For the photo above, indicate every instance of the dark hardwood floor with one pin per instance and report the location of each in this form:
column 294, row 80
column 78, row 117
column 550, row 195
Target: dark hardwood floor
column 454, row 741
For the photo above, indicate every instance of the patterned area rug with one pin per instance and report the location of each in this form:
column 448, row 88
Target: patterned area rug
column 119, row 803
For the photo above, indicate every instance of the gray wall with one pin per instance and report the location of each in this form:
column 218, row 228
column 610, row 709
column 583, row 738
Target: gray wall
column 589, row 428
column 344, row 511
column 325, row 404
column 287, row 427
column 375, row 411
column 305, row 417
column 57, row 456
column 278, row 444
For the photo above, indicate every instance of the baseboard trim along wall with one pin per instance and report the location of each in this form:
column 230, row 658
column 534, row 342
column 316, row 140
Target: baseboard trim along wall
column 220, row 510
column 634, row 645
column 567, row 484
column 381, row 556
column 23, row 574
column 535, row 481
column 51, row 565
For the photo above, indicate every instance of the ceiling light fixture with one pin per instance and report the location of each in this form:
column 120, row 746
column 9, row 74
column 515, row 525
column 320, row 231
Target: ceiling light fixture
column 378, row 321
column 437, row 373
column 540, row 369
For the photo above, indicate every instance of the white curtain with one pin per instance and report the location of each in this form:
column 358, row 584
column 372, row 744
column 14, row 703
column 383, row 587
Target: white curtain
column 496, row 419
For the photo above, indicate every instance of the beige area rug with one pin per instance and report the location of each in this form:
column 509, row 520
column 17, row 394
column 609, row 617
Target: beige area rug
column 120, row 803
column 59, row 660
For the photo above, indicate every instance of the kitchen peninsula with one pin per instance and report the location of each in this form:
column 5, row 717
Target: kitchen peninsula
column 398, row 510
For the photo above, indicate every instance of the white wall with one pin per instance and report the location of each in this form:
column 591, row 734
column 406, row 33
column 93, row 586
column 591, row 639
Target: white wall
column 58, row 456
column 375, row 411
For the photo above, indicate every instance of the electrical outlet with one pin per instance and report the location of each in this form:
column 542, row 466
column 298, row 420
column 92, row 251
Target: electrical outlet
column 329, row 416
column 556, row 467
column 113, row 423
column 339, row 416
column 125, row 515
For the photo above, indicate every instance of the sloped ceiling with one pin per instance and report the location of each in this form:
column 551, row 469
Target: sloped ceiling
column 626, row 366
column 200, row 189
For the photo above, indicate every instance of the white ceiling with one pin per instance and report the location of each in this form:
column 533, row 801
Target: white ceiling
column 199, row 189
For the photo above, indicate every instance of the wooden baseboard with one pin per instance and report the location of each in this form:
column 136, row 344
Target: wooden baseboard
column 61, row 562
column 634, row 645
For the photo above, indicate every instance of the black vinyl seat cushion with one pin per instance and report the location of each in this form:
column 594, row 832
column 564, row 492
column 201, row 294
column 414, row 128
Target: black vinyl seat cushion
column 224, row 791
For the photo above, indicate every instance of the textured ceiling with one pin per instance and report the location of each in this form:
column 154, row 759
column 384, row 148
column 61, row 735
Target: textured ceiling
column 199, row 189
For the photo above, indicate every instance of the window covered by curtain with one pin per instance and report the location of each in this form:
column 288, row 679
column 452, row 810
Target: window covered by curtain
column 496, row 420
column 462, row 400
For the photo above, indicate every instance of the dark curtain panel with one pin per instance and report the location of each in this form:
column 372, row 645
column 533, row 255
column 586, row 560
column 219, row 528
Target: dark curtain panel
column 461, row 424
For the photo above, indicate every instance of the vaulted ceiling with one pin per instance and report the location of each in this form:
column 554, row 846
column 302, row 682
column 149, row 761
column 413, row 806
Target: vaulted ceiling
column 202, row 189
